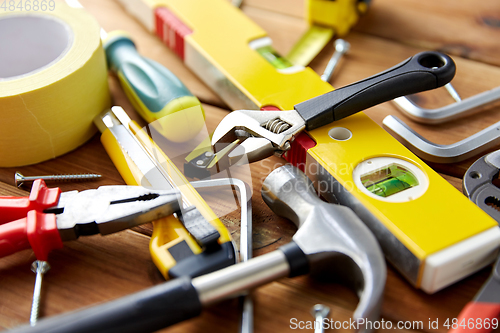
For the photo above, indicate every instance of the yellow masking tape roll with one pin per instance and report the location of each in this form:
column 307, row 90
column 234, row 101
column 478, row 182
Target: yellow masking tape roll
column 53, row 82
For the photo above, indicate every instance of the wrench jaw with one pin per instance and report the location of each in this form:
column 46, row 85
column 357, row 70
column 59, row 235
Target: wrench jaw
column 246, row 136
column 268, row 132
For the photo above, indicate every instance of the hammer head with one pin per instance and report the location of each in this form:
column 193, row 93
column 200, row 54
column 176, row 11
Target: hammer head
column 337, row 244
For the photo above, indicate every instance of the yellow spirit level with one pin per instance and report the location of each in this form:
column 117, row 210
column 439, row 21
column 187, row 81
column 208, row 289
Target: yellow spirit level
column 428, row 230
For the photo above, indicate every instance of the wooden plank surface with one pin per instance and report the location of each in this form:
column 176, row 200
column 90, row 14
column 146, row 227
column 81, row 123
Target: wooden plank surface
column 96, row 269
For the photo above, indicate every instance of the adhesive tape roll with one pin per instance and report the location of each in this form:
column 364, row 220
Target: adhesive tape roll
column 53, row 82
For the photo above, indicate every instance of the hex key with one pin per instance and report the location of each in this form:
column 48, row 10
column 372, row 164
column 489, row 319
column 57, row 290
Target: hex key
column 455, row 152
column 476, row 103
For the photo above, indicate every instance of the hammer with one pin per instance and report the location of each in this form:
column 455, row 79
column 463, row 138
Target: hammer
column 331, row 241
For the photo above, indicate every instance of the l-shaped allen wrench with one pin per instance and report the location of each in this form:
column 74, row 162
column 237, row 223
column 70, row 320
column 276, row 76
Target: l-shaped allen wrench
column 460, row 108
column 455, row 152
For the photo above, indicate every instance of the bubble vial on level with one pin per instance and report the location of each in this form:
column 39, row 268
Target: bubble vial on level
column 389, row 180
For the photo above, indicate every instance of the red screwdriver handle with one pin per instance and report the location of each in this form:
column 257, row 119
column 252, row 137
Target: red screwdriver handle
column 38, row 231
column 477, row 317
column 40, row 198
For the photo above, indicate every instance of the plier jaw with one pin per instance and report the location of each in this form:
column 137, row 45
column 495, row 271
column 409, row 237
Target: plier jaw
column 110, row 209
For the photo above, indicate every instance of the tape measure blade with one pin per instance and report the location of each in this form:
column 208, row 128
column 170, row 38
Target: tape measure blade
column 310, row 45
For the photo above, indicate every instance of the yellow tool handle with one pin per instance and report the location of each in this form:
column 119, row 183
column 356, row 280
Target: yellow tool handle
column 168, row 233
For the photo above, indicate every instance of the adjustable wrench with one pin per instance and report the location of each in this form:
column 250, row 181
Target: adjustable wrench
column 331, row 240
column 263, row 134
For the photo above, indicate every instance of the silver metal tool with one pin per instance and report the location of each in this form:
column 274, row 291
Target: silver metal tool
column 110, row 209
column 266, row 133
column 20, row 179
column 478, row 184
column 451, row 90
column 237, row 3
column 452, row 153
column 246, row 249
column 319, row 312
column 40, row 267
column 331, row 241
column 461, row 108
column 341, row 47
column 358, row 259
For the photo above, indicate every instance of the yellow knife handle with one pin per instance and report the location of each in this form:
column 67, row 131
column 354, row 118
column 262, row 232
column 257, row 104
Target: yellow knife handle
column 168, row 232
column 187, row 190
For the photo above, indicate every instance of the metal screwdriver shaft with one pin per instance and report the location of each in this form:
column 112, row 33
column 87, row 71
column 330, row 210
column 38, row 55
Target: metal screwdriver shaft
column 341, row 47
column 39, row 267
column 20, row 179
column 319, row 312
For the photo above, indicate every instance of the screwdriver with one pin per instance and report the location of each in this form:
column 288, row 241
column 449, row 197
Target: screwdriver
column 154, row 91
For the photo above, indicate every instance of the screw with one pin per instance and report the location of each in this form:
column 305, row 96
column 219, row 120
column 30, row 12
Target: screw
column 199, row 162
column 20, row 179
column 319, row 312
column 341, row 47
column 453, row 92
column 39, row 267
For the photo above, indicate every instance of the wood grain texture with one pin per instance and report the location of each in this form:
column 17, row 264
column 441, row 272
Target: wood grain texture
column 96, row 269
column 469, row 28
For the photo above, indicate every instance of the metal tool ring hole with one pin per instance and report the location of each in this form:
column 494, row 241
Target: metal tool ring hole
column 340, row 134
column 475, row 175
column 431, row 61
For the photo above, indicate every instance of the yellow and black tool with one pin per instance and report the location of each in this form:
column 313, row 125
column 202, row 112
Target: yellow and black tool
column 195, row 245
column 199, row 243
column 326, row 19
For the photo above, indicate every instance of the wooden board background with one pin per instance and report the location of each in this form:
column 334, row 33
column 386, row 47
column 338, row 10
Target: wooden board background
column 96, row 269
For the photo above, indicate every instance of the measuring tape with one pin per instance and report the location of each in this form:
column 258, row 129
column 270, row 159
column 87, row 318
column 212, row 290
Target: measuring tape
column 325, row 18
column 53, row 82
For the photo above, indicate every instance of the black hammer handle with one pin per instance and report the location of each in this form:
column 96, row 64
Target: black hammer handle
column 424, row 71
column 146, row 311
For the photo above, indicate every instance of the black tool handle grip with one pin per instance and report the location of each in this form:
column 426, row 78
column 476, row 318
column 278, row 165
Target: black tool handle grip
column 424, row 71
column 146, row 311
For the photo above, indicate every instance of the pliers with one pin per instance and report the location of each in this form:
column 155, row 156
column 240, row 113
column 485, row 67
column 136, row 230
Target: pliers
column 48, row 217
column 257, row 135
column 481, row 314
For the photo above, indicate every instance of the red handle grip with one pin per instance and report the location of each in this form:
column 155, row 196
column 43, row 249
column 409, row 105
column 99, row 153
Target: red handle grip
column 13, row 237
column 38, row 231
column 40, row 198
column 474, row 316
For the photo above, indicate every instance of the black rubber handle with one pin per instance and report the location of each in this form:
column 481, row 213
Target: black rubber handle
column 146, row 311
column 424, row 71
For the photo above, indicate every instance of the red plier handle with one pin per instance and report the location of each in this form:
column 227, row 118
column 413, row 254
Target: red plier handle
column 477, row 317
column 23, row 224
column 40, row 198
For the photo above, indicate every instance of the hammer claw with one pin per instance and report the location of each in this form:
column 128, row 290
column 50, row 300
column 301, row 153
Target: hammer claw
column 336, row 242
